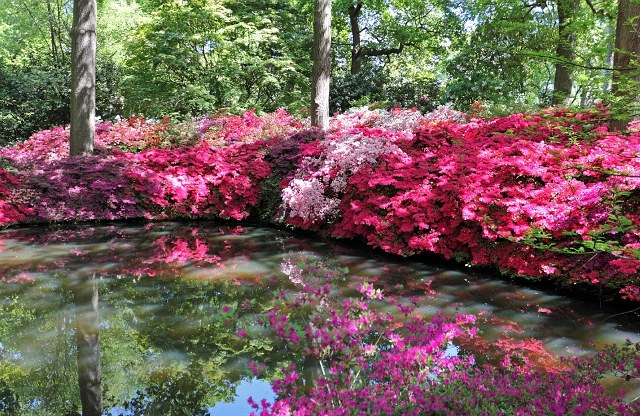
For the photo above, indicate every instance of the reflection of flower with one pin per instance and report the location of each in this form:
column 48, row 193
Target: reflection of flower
column 19, row 278
column 373, row 364
column 292, row 270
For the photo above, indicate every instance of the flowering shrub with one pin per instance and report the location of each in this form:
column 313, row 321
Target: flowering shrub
column 445, row 113
column 10, row 211
column 198, row 181
column 79, row 188
column 137, row 134
column 313, row 195
column 502, row 191
column 362, row 361
column 224, row 130
column 138, row 172
column 400, row 119
column 549, row 195
column 397, row 119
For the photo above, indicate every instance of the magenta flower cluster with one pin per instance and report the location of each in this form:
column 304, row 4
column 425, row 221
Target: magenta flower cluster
column 549, row 195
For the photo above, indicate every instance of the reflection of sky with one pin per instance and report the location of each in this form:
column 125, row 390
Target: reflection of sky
column 256, row 389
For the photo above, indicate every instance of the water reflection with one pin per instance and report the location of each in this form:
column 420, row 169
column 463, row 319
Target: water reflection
column 87, row 334
column 173, row 296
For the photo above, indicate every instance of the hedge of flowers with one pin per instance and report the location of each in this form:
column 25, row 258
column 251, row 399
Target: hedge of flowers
column 549, row 195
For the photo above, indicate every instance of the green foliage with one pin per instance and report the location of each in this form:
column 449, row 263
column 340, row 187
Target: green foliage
column 32, row 97
column 177, row 58
column 372, row 85
column 196, row 57
column 35, row 96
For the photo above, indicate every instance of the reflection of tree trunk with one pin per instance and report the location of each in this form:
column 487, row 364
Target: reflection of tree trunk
column 311, row 371
column 88, row 342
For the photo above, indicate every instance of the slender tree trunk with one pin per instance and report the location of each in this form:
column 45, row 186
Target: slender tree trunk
column 52, row 33
column 83, row 77
column 87, row 326
column 608, row 58
column 321, row 73
column 626, row 75
column 356, row 46
column 563, row 83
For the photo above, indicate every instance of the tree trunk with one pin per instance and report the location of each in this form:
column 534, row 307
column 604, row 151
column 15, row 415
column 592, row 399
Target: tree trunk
column 321, row 73
column 608, row 58
column 562, row 83
column 83, row 77
column 356, row 46
column 87, row 326
column 625, row 63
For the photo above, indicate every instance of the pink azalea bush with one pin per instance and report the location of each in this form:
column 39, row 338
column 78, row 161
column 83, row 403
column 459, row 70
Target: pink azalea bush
column 547, row 195
column 10, row 211
column 313, row 195
column 221, row 130
column 138, row 171
column 198, row 181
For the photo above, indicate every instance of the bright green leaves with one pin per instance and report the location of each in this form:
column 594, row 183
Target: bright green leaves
column 196, row 57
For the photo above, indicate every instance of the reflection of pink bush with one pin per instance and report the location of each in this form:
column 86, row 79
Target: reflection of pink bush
column 381, row 363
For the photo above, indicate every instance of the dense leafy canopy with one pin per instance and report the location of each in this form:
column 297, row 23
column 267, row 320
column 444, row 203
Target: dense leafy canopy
column 175, row 58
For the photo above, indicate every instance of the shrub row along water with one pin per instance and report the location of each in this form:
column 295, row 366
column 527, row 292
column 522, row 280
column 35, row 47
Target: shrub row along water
column 549, row 195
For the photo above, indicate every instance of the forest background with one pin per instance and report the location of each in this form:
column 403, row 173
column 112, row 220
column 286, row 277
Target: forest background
column 181, row 58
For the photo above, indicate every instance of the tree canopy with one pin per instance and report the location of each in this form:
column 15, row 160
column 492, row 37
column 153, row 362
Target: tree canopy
column 185, row 58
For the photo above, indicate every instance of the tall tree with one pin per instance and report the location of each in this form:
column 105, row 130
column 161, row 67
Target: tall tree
column 563, row 83
column 626, row 59
column 384, row 28
column 190, row 58
column 321, row 72
column 83, row 77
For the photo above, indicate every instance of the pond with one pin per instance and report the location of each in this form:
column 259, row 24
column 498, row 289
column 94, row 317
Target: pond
column 155, row 309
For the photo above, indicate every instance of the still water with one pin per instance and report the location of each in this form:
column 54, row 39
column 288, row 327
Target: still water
column 154, row 309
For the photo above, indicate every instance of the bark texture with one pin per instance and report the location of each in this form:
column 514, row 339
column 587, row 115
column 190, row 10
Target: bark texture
column 83, row 77
column 321, row 73
column 563, row 82
column 626, row 74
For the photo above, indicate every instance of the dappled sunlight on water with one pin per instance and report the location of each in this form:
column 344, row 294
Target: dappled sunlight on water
column 171, row 297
